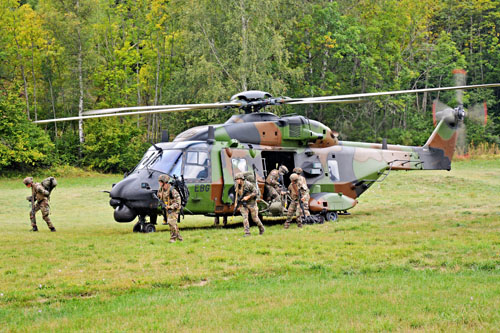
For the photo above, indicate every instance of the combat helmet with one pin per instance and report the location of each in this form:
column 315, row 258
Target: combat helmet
column 28, row 180
column 164, row 178
column 239, row 175
column 297, row 170
column 294, row 177
column 283, row 170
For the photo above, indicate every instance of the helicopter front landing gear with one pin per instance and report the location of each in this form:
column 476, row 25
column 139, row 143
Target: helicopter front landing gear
column 143, row 226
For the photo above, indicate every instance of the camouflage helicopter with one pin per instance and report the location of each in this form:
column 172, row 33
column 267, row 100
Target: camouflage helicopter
column 208, row 157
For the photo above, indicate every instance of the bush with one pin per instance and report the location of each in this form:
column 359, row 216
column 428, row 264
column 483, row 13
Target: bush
column 112, row 146
column 23, row 145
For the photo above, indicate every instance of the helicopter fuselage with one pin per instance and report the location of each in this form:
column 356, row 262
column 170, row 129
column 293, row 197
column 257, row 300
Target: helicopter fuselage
column 208, row 157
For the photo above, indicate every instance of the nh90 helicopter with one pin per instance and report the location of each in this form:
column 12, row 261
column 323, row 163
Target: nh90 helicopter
column 208, row 157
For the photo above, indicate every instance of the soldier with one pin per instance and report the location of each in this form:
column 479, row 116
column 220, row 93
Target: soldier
column 295, row 189
column 274, row 185
column 303, row 183
column 246, row 193
column 172, row 204
column 41, row 195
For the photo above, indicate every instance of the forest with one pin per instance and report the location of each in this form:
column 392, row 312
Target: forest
column 59, row 58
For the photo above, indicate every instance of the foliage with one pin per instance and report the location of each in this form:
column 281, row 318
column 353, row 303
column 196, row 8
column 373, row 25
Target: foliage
column 113, row 145
column 23, row 145
column 61, row 57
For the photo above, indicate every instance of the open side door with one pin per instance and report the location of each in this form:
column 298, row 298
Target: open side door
column 236, row 160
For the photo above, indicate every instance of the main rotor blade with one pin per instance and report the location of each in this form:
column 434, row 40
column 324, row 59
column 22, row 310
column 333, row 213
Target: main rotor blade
column 335, row 101
column 162, row 107
column 398, row 92
column 109, row 115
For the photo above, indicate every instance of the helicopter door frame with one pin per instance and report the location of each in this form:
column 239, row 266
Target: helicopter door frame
column 253, row 164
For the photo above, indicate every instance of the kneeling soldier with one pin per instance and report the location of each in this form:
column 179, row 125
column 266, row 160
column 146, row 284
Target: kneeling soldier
column 246, row 193
column 298, row 191
column 172, row 200
column 41, row 195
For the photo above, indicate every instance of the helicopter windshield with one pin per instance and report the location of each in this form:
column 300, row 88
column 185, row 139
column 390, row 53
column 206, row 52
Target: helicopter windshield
column 146, row 159
column 169, row 162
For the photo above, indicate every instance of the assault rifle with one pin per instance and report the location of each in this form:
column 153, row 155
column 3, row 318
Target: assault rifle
column 239, row 201
column 164, row 211
column 32, row 200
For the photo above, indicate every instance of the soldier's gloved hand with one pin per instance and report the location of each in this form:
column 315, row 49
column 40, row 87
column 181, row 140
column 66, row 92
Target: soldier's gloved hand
column 162, row 204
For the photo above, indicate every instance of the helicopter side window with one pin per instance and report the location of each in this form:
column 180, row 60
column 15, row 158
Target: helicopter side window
column 239, row 165
column 196, row 165
column 333, row 168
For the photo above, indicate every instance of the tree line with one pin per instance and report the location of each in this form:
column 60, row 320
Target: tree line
column 59, row 58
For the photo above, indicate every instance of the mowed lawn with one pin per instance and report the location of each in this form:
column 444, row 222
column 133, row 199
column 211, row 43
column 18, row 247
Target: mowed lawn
column 420, row 252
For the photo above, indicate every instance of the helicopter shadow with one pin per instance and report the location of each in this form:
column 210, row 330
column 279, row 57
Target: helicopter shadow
column 232, row 225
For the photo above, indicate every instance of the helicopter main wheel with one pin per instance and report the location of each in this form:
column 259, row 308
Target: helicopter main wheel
column 137, row 227
column 149, row 227
column 331, row 216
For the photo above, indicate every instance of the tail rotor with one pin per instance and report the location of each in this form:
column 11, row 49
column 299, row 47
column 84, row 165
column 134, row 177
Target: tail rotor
column 455, row 117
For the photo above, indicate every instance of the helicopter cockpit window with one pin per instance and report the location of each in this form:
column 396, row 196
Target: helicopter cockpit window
column 333, row 168
column 196, row 166
column 146, row 159
column 239, row 165
column 169, row 162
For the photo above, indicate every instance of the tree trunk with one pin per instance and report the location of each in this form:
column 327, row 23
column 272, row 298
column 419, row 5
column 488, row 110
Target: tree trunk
column 34, row 79
column 80, row 82
column 53, row 105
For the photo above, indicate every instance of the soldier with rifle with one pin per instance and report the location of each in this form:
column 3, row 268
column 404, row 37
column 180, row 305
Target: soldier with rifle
column 299, row 194
column 274, row 184
column 41, row 196
column 245, row 200
column 170, row 202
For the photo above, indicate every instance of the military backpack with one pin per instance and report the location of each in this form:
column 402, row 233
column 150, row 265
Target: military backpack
column 49, row 184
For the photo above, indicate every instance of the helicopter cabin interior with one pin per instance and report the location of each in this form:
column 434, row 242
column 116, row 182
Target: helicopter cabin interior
column 274, row 159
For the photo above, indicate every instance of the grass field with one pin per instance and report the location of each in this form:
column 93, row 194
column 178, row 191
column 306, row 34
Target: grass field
column 420, row 252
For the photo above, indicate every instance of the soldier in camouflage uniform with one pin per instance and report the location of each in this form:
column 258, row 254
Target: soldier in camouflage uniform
column 172, row 200
column 294, row 188
column 303, row 184
column 273, row 185
column 247, row 192
column 41, row 195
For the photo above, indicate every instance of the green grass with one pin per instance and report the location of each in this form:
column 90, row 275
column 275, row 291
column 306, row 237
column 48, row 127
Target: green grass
column 421, row 252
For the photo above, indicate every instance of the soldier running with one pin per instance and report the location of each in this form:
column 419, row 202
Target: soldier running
column 246, row 193
column 295, row 188
column 41, row 195
column 172, row 199
column 274, row 185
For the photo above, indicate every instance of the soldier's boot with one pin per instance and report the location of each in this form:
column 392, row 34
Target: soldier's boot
column 287, row 224
column 246, row 234
column 53, row 229
column 34, row 228
column 261, row 229
column 179, row 238
column 299, row 223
